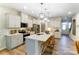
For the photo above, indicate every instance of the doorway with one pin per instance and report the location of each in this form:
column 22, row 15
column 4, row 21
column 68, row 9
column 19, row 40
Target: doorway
column 66, row 27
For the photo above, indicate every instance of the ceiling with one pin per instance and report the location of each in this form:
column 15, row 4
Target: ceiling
column 53, row 9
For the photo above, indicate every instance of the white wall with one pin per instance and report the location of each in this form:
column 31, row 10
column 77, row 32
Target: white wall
column 24, row 18
column 75, row 37
column 77, row 27
column 55, row 23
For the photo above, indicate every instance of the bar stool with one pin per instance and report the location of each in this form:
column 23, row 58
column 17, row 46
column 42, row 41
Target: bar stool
column 49, row 45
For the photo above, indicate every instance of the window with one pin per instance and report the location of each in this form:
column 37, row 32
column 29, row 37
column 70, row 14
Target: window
column 69, row 25
column 64, row 26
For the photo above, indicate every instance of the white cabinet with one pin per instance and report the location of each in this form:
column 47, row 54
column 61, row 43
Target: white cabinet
column 2, row 42
column 26, row 19
column 14, row 41
column 57, row 33
column 36, row 21
column 2, row 21
column 13, row 21
column 30, row 23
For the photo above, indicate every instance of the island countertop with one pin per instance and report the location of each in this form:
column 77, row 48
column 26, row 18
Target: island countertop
column 42, row 37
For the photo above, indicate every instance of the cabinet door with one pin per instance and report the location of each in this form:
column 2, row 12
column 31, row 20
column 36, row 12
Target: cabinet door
column 30, row 23
column 13, row 41
column 16, row 40
column 17, row 21
column 20, row 39
column 14, row 21
column 2, row 42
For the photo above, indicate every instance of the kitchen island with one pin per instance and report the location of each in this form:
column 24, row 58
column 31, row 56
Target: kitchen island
column 33, row 43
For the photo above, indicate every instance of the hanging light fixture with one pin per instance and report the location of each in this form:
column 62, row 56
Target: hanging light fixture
column 46, row 17
column 41, row 14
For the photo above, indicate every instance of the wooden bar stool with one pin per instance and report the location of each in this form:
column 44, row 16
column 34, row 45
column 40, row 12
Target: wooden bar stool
column 48, row 46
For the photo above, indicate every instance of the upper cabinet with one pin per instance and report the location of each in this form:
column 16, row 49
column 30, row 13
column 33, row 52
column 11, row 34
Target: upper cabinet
column 26, row 19
column 30, row 23
column 13, row 21
column 2, row 21
column 36, row 21
column 29, row 20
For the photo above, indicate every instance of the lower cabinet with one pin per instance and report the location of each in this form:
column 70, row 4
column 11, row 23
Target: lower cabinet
column 57, row 35
column 2, row 42
column 14, row 41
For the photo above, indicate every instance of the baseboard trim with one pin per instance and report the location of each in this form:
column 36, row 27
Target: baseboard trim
column 16, row 47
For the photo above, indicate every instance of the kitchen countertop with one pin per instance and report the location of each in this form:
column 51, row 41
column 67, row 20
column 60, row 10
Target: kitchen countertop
column 42, row 37
column 12, row 34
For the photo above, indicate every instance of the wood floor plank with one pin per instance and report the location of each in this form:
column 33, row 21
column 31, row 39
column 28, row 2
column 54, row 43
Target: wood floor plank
column 17, row 51
column 65, row 46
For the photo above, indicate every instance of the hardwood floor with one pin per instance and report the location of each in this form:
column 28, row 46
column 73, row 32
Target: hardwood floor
column 63, row 46
column 17, row 51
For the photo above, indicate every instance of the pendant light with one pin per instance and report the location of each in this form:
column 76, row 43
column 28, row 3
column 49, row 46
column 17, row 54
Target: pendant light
column 46, row 17
column 41, row 14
